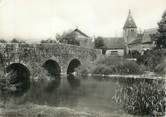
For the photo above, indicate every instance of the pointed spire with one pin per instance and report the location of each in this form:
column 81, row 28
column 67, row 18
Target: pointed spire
column 164, row 14
column 129, row 12
column 130, row 21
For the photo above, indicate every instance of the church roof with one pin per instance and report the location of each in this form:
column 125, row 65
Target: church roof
column 114, row 43
column 138, row 40
column 147, row 35
column 129, row 22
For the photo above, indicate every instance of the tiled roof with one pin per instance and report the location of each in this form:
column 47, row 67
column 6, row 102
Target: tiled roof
column 138, row 40
column 146, row 35
column 114, row 43
column 79, row 31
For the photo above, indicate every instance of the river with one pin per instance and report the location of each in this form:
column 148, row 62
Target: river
column 86, row 96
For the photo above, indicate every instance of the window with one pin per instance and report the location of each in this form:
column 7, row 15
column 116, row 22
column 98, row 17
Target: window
column 114, row 52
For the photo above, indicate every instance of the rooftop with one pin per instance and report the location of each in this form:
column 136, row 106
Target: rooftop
column 114, row 43
column 130, row 23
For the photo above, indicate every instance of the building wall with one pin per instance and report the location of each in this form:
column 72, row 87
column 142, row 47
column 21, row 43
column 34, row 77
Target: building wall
column 130, row 34
column 84, row 41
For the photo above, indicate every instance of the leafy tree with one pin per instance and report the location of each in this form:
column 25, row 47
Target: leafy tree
column 161, row 35
column 68, row 38
column 3, row 41
column 48, row 41
column 99, row 44
column 14, row 40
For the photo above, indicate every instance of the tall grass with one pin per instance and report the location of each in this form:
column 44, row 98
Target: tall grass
column 142, row 96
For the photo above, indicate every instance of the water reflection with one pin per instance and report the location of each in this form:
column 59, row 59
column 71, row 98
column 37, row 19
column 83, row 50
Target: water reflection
column 17, row 79
column 53, row 83
column 99, row 94
column 73, row 81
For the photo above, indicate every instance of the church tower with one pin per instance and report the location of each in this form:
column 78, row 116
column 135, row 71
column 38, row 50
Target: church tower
column 129, row 30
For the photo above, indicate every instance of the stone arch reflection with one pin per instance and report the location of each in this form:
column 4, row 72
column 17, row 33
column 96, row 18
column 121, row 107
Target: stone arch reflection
column 73, row 81
column 18, row 76
column 53, row 74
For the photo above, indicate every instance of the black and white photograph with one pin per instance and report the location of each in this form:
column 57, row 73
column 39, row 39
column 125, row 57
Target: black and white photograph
column 82, row 58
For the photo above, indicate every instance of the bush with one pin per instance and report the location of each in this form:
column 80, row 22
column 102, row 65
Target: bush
column 152, row 58
column 102, row 69
column 85, row 69
column 161, row 68
column 116, row 65
column 109, row 60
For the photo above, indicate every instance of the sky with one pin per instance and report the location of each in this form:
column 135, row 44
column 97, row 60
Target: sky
column 33, row 20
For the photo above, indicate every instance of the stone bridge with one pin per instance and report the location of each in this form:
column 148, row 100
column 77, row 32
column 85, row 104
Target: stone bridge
column 21, row 62
column 58, row 58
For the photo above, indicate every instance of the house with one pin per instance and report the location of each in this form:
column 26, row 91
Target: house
column 115, row 46
column 148, row 42
column 136, row 44
column 83, row 39
column 143, row 41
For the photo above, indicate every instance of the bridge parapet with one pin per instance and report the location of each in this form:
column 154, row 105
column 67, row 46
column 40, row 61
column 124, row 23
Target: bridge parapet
column 47, row 48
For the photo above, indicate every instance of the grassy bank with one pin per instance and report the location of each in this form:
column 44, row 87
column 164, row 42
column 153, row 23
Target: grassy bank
column 137, row 96
column 111, row 65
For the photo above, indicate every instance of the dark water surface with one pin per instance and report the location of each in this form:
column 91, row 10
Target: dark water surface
column 87, row 94
column 75, row 92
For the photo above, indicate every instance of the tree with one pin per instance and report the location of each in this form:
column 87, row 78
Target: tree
column 68, row 38
column 48, row 41
column 3, row 41
column 14, row 40
column 99, row 44
column 161, row 35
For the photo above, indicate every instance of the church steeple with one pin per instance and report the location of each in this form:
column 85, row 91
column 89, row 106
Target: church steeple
column 130, row 23
column 129, row 31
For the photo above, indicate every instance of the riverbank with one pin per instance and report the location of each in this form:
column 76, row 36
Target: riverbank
column 33, row 110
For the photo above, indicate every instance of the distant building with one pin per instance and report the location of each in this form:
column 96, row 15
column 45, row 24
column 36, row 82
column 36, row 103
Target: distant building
column 83, row 39
column 131, row 40
column 148, row 42
column 135, row 40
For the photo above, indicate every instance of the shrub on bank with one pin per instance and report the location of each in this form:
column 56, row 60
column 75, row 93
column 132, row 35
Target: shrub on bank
column 160, row 68
column 152, row 58
column 117, row 65
column 102, row 69
column 111, row 65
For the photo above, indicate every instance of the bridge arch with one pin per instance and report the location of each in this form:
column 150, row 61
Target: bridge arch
column 73, row 64
column 52, row 67
column 19, row 76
